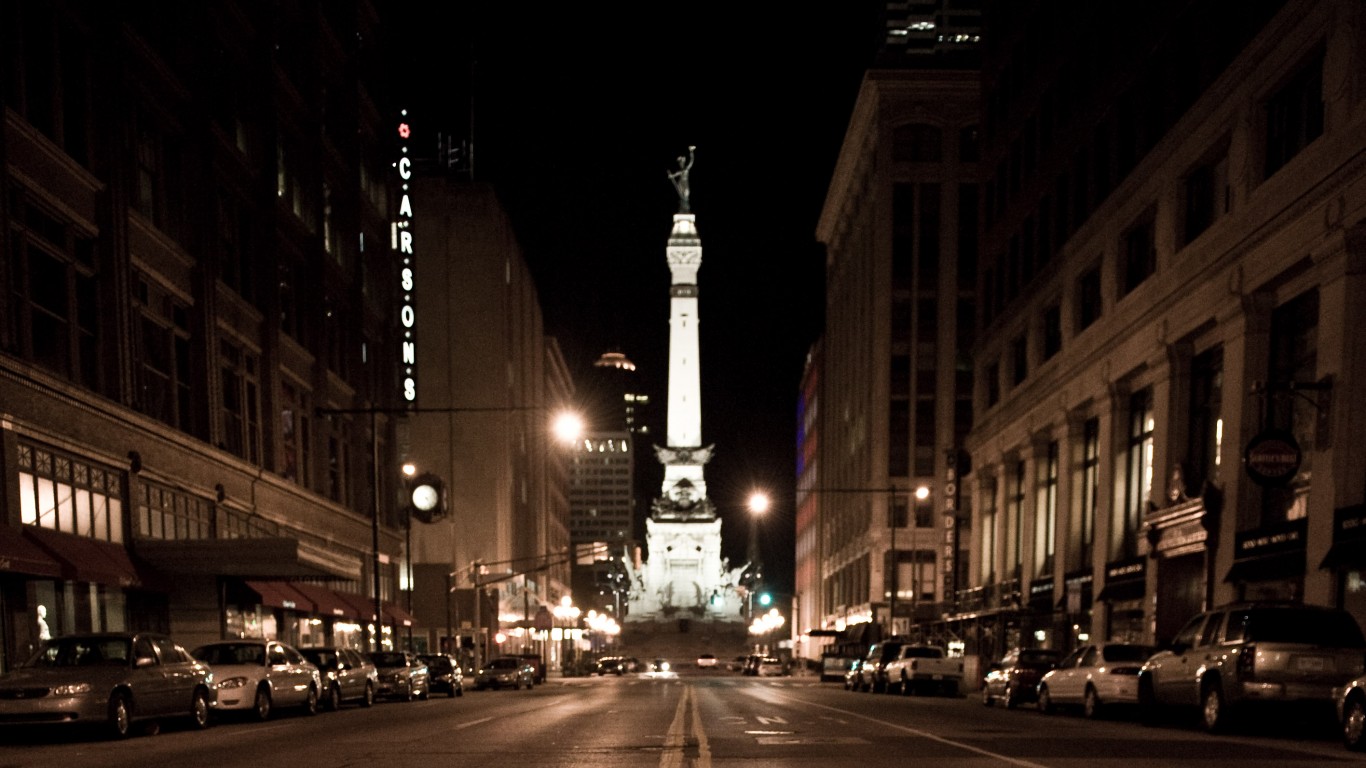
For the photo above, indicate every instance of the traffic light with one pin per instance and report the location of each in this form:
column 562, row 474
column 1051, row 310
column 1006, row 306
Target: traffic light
column 765, row 599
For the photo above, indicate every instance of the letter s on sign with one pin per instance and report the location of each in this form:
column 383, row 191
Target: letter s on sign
column 407, row 281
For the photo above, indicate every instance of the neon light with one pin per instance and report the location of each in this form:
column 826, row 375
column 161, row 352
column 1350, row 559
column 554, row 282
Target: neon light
column 401, row 240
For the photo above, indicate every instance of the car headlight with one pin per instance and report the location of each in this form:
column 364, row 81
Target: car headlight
column 71, row 689
column 232, row 682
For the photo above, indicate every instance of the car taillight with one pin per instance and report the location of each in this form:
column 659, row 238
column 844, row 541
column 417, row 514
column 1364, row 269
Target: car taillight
column 1247, row 660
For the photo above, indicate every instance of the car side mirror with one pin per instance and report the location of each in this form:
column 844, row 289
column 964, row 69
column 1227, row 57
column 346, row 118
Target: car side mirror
column 1179, row 647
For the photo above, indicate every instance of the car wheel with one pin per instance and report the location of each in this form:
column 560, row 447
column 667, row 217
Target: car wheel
column 120, row 716
column 311, row 701
column 450, row 691
column 261, row 708
column 986, row 695
column 1212, row 710
column 425, row 693
column 1012, row 698
column 460, row 690
column 369, row 700
column 1354, row 724
column 906, row 688
column 1090, row 704
column 1045, row 700
column 199, row 709
column 333, row 701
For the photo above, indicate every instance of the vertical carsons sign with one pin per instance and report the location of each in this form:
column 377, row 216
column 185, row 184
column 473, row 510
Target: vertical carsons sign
column 401, row 240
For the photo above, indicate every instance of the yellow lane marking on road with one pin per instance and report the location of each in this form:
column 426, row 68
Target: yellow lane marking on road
column 923, row 734
column 687, row 722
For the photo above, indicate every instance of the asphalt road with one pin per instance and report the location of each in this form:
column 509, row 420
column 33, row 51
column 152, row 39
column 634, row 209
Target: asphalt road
column 697, row 720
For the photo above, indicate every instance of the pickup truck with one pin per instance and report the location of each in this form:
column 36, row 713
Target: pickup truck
column 923, row 668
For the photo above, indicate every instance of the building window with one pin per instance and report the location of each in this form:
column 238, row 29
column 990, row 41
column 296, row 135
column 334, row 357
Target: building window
column 918, row 143
column 241, row 407
column 1206, row 436
column 235, row 247
column 1294, row 115
column 56, row 301
column 1207, row 195
column 1088, row 298
column 1046, row 511
column 163, row 349
column 65, row 493
column 165, row 513
column 1019, row 359
column 295, row 436
column 1293, row 359
column 1088, row 476
column 1052, row 331
column 988, row 552
column 1015, row 497
column 339, row 463
column 993, row 383
column 1139, row 252
column 160, row 191
column 1138, row 476
column 50, row 84
column 899, row 437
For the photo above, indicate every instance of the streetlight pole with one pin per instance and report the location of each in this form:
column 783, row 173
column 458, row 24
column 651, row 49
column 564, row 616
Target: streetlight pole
column 758, row 505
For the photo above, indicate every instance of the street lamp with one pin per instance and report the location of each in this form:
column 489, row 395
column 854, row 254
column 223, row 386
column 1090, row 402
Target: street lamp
column 758, row 505
column 568, row 614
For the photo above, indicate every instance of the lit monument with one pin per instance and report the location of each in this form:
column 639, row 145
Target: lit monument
column 685, row 575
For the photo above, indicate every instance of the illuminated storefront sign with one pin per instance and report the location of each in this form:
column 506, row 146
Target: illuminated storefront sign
column 401, row 240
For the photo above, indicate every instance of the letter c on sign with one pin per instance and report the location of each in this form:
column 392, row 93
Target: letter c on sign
column 405, row 168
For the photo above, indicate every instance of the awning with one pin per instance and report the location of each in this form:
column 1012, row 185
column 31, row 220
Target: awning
column 399, row 617
column 279, row 594
column 267, row 559
column 1346, row 554
column 1120, row 591
column 87, row 559
column 1282, row 565
column 327, row 602
column 19, row 555
column 364, row 607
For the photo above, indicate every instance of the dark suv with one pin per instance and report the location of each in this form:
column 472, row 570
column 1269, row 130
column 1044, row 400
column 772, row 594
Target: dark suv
column 872, row 674
column 444, row 673
column 1253, row 653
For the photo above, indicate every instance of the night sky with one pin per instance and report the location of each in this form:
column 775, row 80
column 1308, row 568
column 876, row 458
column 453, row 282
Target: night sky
column 579, row 113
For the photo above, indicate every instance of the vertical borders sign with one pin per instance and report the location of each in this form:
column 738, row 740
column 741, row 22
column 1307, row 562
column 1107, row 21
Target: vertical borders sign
column 401, row 240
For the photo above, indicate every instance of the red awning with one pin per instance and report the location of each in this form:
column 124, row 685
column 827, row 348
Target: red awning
column 279, row 594
column 327, row 602
column 86, row 559
column 398, row 616
column 19, row 555
column 362, row 605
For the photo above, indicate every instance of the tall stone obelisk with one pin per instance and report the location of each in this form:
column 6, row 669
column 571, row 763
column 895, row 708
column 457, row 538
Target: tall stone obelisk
column 685, row 576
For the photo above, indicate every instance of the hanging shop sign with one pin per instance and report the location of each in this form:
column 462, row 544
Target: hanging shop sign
column 1272, row 457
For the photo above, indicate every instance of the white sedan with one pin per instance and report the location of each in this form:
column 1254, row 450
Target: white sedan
column 260, row 675
column 1093, row 676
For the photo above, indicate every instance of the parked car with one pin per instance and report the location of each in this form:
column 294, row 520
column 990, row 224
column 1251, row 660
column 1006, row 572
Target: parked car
column 1015, row 678
column 537, row 666
column 347, row 675
column 706, row 661
column 402, row 675
column 923, row 668
column 505, row 672
column 751, row 664
column 444, row 673
column 110, row 679
column 853, row 677
column 737, row 664
column 1350, row 700
column 1095, row 676
column 872, row 676
column 1253, row 654
column 771, row 666
column 259, row 675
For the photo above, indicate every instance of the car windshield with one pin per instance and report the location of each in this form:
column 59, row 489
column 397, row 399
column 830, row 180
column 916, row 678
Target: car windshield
column 1039, row 657
column 1294, row 625
column 1127, row 652
column 383, row 659
column 231, row 653
column 320, row 658
column 504, row 663
column 83, row 652
column 437, row 662
column 922, row 653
